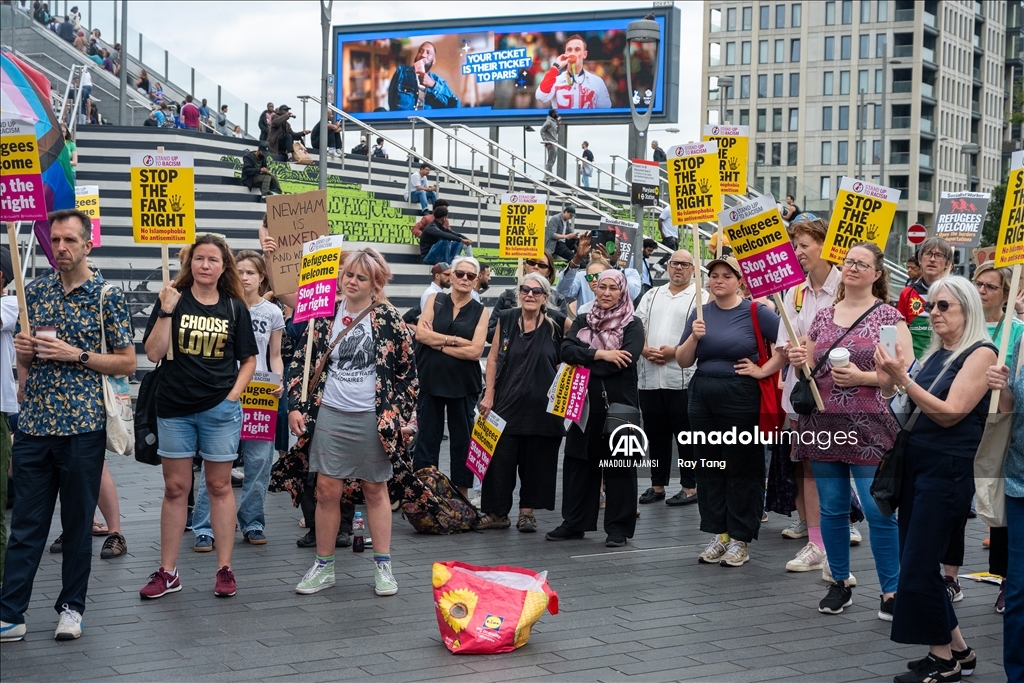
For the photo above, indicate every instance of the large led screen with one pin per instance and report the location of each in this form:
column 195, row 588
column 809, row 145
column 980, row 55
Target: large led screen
column 507, row 68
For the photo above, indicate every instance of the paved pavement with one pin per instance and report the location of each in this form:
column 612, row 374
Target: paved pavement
column 648, row 612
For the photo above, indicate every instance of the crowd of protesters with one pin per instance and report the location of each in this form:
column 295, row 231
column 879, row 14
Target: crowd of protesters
column 682, row 361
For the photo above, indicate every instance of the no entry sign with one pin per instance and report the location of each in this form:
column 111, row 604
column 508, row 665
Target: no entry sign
column 916, row 233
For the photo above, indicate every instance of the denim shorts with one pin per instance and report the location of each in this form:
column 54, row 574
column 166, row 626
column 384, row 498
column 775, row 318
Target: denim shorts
column 212, row 433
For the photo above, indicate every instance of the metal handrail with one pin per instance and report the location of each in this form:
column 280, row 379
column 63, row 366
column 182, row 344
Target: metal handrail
column 516, row 157
column 564, row 196
column 600, row 170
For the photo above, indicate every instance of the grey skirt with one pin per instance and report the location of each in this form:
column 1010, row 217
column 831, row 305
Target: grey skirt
column 348, row 446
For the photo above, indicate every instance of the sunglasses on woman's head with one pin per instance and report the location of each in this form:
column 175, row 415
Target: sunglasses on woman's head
column 536, row 264
column 463, row 275
column 536, row 291
column 943, row 306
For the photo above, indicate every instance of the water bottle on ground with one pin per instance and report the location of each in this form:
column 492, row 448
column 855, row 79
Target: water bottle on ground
column 358, row 528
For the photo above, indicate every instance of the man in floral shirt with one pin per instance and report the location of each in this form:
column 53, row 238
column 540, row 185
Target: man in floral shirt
column 61, row 437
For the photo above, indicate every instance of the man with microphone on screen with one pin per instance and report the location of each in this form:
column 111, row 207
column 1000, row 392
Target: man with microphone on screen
column 567, row 85
column 414, row 87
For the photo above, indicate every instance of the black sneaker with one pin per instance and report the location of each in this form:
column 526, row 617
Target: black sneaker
column 967, row 660
column 930, row 670
column 615, row 540
column 885, row 608
column 953, row 589
column 307, row 541
column 343, row 540
column 838, row 598
column 560, row 533
column 1001, row 598
column 57, row 547
column 114, row 546
column 651, row 496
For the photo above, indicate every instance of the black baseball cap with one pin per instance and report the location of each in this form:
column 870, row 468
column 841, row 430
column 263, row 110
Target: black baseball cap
column 5, row 265
column 264, row 147
column 284, row 107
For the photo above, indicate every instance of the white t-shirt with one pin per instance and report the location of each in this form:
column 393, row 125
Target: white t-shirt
column 416, row 182
column 351, row 385
column 668, row 229
column 266, row 319
column 432, row 288
column 8, row 384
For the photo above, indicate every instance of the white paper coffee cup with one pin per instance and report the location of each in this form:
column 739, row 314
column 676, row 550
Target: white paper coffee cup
column 46, row 332
column 839, row 358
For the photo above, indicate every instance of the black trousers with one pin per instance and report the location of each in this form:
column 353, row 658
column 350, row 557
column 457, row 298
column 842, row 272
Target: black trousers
column 666, row 413
column 563, row 250
column 730, row 500
column 998, row 551
column 308, row 505
column 430, row 412
column 45, row 467
column 536, row 460
column 934, row 499
column 673, row 244
column 581, row 483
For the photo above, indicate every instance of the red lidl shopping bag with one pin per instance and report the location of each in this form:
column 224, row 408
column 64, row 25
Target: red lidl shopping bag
column 487, row 610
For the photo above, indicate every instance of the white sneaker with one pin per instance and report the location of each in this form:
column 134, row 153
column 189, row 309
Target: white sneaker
column 809, row 558
column 855, row 537
column 10, row 633
column 70, row 625
column 826, row 575
column 736, row 555
column 797, row 529
column 713, row 553
column 658, row 269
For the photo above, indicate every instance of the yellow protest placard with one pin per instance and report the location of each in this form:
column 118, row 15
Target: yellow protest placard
column 1010, row 242
column 21, row 183
column 163, row 198
column 694, row 184
column 87, row 200
column 863, row 213
column 521, row 226
column 733, row 148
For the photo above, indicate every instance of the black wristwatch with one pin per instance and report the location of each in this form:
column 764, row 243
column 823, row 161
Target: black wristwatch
column 83, row 357
column 161, row 313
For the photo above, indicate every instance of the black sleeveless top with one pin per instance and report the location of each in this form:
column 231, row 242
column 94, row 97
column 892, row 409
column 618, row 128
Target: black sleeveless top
column 441, row 374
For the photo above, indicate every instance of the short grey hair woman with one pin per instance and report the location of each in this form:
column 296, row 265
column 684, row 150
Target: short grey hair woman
column 938, row 482
column 523, row 361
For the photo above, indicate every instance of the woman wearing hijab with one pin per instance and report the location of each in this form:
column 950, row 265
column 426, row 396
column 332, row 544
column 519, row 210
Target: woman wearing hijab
column 607, row 340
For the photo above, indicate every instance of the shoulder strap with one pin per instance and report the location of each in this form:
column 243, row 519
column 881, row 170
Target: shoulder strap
column 843, row 336
column 762, row 354
column 103, row 328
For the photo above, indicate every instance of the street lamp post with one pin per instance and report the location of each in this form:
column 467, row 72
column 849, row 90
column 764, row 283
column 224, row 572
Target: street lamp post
column 644, row 30
column 969, row 150
column 325, row 27
column 885, row 114
column 724, row 85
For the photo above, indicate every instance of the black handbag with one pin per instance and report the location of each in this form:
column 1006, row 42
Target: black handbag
column 618, row 414
column 885, row 487
column 802, row 397
column 145, row 419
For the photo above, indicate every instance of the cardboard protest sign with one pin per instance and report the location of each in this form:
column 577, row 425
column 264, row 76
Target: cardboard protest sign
column 863, row 213
column 961, row 217
column 733, row 143
column 21, row 181
column 761, row 245
column 568, row 392
column 521, row 225
column 259, row 407
column 293, row 220
column 87, row 200
column 318, row 278
column 615, row 235
column 163, row 197
column 1010, row 242
column 694, row 184
column 981, row 254
column 645, row 182
column 482, row 442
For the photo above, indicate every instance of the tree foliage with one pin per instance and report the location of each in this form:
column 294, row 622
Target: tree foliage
column 995, row 214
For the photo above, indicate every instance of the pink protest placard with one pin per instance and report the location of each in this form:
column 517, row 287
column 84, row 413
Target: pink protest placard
column 761, row 244
column 21, row 182
column 259, row 407
column 318, row 278
column 486, row 432
column 577, row 394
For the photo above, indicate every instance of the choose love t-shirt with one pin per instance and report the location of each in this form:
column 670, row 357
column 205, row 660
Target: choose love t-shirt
column 208, row 343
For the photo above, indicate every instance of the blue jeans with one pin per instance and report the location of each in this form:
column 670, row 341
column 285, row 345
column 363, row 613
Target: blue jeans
column 423, row 197
column 258, row 457
column 1013, row 618
column 444, row 250
column 584, row 180
column 833, row 482
column 212, row 433
column 45, row 467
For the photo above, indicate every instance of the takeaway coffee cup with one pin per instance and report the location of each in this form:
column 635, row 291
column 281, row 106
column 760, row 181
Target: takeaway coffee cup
column 839, row 358
column 46, row 332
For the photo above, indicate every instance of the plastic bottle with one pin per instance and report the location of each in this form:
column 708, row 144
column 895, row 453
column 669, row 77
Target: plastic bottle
column 358, row 527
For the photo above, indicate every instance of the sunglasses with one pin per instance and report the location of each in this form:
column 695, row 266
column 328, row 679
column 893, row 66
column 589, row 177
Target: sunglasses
column 537, row 264
column 463, row 275
column 943, row 306
column 592, row 276
column 536, row 291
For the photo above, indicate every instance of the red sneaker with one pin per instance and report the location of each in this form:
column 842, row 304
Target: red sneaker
column 160, row 584
column 225, row 587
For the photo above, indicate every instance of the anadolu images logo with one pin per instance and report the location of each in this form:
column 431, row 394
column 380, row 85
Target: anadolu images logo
column 148, row 160
column 858, row 187
column 628, row 441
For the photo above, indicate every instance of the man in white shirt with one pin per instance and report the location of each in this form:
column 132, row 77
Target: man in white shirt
column 664, row 311
column 442, row 274
column 419, row 190
column 8, row 388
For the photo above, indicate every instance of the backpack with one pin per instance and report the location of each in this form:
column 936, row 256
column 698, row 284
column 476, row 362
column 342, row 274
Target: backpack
column 442, row 509
column 379, row 152
column 145, row 419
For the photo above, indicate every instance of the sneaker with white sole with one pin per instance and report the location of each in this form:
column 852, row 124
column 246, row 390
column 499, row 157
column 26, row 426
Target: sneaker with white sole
column 69, row 627
column 826, row 575
column 839, row 597
column 808, row 559
column 797, row 529
column 319, row 577
column 713, row 553
column 855, row 537
column 735, row 555
column 384, row 581
column 953, row 590
column 10, row 633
